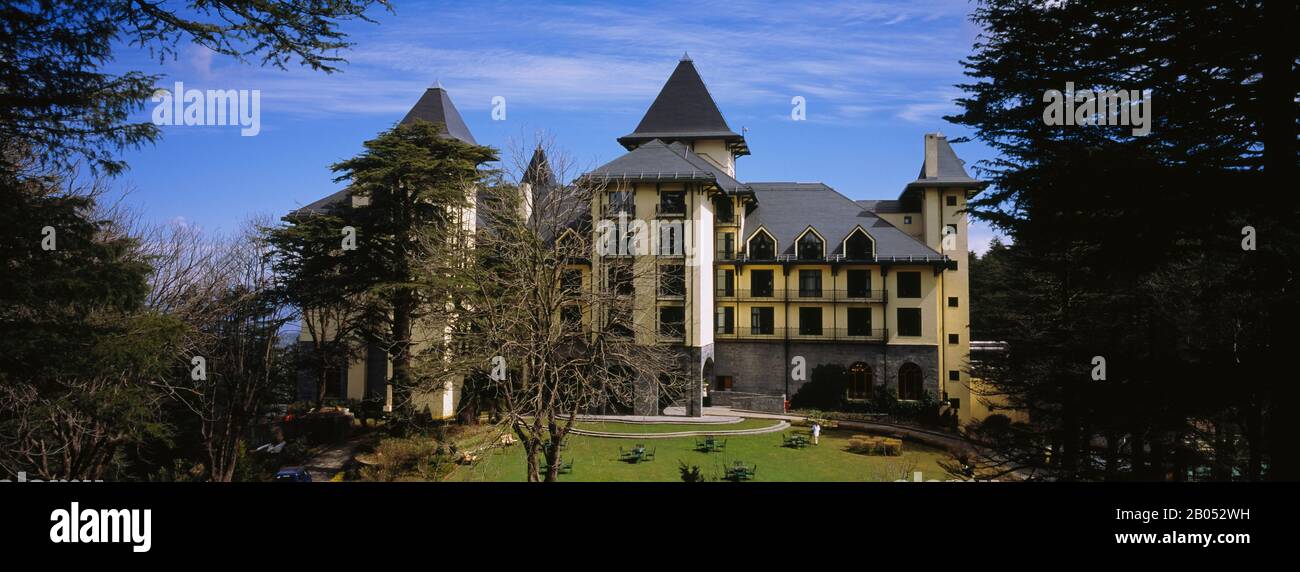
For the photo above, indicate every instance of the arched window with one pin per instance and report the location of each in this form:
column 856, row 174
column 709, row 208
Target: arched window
column 858, row 246
column 909, row 382
column 810, row 246
column 861, row 381
column 762, row 247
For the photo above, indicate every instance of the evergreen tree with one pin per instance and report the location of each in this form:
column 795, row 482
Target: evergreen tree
column 418, row 187
column 1129, row 248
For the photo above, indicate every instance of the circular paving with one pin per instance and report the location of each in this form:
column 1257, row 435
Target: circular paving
column 708, row 426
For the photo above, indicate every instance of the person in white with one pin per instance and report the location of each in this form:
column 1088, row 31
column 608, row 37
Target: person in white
column 817, row 432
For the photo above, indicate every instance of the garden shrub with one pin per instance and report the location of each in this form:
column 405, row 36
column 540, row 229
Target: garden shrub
column 826, row 388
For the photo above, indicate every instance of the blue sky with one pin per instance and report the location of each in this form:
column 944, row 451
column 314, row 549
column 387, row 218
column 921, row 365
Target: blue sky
column 876, row 77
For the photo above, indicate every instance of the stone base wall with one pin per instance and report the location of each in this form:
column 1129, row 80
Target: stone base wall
column 747, row 401
column 764, row 367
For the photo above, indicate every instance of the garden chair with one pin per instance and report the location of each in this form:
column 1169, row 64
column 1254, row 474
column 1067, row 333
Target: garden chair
column 566, row 468
column 720, row 445
column 649, row 455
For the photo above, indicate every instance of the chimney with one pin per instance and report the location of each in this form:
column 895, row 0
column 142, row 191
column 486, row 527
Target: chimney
column 932, row 155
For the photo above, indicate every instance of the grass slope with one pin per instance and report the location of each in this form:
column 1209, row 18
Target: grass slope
column 595, row 460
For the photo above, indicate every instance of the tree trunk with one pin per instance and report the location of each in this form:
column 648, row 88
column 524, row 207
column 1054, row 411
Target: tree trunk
column 401, row 349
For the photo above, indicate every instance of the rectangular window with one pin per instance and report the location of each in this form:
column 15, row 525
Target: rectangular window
column 670, row 238
column 620, row 279
column 760, row 320
column 954, row 338
column 726, row 283
column 909, row 284
column 571, row 315
column 760, row 282
column 810, row 321
column 859, row 321
column 571, row 281
column 726, row 320
column 620, row 320
column 954, row 375
column 724, row 383
column 952, row 301
column 810, row 283
column 727, row 246
column 859, row 283
column 672, row 203
column 950, row 229
column 907, row 220
column 952, row 200
column 909, row 322
column 725, row 209
column 672, row 321
column 672, row 280
column 622, row 202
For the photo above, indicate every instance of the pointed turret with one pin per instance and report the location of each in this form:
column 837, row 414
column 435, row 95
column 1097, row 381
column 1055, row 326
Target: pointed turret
column 538, row 173
column 435, row 106
column 940, row 168
column 684, row 111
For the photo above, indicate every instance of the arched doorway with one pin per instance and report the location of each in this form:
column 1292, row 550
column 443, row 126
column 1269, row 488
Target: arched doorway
column 861, row 380
column 909, row 382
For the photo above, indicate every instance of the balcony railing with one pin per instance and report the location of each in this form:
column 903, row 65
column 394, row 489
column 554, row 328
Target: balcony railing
column 672, row 332
column 840, row 258
column 797, row 334
column 670, row 210
column 671, row 294
column 795, row 295
column 627, row 210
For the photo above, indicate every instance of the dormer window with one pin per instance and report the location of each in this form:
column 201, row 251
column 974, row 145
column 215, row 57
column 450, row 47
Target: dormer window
column 810, row 246
column 858, row 246
column 762, row 247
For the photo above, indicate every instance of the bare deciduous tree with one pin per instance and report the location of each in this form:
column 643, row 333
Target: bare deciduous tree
column 543, row 345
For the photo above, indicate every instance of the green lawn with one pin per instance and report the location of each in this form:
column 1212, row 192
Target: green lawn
column 674, row 427
column 595, row 459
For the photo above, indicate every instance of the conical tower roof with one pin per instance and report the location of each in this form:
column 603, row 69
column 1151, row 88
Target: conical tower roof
column 684, row 111
column 435, row 106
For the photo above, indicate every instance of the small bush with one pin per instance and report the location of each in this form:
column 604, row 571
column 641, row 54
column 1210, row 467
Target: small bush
column 417, row 458
column 690, row 474
column 868, row 445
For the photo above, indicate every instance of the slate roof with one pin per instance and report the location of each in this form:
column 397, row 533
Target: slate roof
column 951, row 169
column 435, row 106
column 321, row 206
column 656, row 161
column 787, row 209
column 684, row 111
column 538, row 172
column 883, row 206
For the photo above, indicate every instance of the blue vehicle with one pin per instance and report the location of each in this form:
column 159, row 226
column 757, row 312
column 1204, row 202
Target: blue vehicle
column 293, row 474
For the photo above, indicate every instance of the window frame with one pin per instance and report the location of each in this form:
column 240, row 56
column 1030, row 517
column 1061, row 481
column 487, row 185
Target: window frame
column 901, row 291
column 920, row 325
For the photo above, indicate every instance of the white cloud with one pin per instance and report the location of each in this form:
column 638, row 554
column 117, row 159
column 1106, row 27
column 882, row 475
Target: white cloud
column 852, row 60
